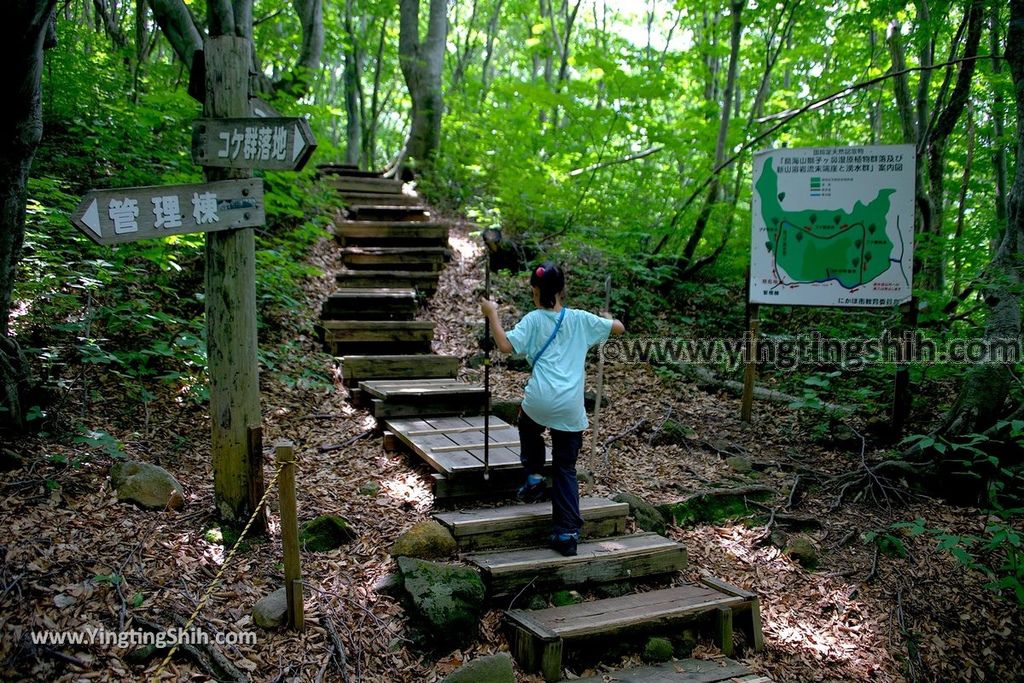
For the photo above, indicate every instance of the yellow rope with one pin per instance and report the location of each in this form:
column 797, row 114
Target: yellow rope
column 216, row 579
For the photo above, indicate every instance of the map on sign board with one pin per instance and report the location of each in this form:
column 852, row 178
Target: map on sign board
column 833, row 226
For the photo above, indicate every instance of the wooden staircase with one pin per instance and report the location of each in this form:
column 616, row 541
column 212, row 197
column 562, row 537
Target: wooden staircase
column 392, row 252
column 542, row 639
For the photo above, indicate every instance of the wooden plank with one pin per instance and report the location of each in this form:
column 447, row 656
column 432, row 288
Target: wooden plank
column 378, row 330
column 424, row 281
column 403, row 199
column 474, row 446
column 390, row 228
column 356, row 368
column 605, row 617
column 600, row 561
column 519, row 525
column 464, row 523
column 364, row 184
column 501, row 483
column 500, row 456
column 411, row 407
column 345, row 170
column 718, row 670
column 388, row 212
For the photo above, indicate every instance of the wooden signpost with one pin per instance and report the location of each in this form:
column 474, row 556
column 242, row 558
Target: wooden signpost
column 127, row 214
column 237, row 134
column 279, row 143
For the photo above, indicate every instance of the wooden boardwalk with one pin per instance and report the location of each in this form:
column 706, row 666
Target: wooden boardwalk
column 393, row 251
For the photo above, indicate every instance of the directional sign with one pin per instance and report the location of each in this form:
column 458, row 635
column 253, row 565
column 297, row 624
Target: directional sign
column 279, row 143
column 128, row 214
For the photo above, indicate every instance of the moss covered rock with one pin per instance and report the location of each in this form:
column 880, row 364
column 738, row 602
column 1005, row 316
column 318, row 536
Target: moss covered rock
column 427, row 540
column 563, row 598
column 647, row 517
column 445, row 601
column 491, row 669
column 657, row 650
column 714, row 506
column 325, row 532
column 801, row 549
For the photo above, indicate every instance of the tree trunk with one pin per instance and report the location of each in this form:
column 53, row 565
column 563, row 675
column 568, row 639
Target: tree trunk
column 700, row 225
column 983, row 396
column 350, row 76
column 422, row 65
column 29, row 26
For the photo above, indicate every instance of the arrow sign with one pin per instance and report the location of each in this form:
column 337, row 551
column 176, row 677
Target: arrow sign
column 128, row 214
column 278, row 143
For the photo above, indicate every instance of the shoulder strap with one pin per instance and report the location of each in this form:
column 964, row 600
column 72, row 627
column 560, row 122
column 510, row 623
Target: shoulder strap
column 544, row 348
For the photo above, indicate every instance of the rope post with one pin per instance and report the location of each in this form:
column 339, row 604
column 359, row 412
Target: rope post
column 750, row 363
column 285, row 457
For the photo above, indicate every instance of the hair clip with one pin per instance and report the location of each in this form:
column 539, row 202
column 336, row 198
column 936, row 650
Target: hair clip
column 539, row 272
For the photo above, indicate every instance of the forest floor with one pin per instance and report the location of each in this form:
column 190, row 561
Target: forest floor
column 74, row 558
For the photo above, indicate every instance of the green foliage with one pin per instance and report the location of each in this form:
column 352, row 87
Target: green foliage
column 998, row 554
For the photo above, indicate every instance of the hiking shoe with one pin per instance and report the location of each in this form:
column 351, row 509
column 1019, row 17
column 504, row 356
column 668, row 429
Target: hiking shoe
column 533, row 491
column 565, row 543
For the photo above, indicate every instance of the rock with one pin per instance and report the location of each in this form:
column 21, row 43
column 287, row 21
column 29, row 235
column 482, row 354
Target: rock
column 141, row 655
column 673, row 432
column 590, row 400
column 740, row 464
column 615, row 589
column 779, row 539
column 563, row 598
column 389, row 584
column 583, row 475
column 801, row 549
column 537, row 602
column 657, row 650
column 427, row 540
column 370, row 488
column 506, row 410
column 446, row 601
column 10, row 461
column 491, row 669
column 646, row 515
column 716, row 505
column 324, row 533
column 147, row 485
column 845, row 438
column 272, row 610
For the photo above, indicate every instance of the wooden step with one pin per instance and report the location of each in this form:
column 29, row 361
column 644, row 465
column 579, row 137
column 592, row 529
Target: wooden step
column 372, row 198
column 399, row 258
column 717, row 670
column 363, row 184
column 424, row 398
column 539, row 638
column 523, row 525
column 376, row 303
column 355, row 369
column 599, row 561
column 391, row 233
column 423, row 281
column 372, row 337
column 345, row 170
column 389, row 212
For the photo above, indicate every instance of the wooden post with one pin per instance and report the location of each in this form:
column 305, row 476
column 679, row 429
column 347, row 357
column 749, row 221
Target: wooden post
column 749, row 362
column 256, row 484
column 722, row 617
column 285, row 457
column 231, row 303
column 901, row 396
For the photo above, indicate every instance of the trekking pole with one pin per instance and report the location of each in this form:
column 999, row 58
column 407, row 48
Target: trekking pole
column 600, row 383
column 487, row 368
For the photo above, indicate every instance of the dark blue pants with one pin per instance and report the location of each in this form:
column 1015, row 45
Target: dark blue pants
column 565, row 447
